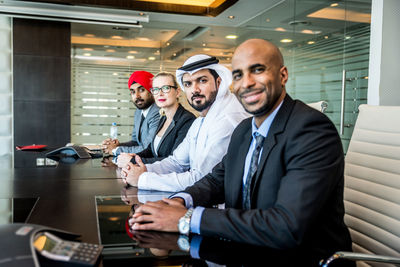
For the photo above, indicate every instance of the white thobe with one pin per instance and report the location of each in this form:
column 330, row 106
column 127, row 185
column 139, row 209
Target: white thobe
column 203, row 147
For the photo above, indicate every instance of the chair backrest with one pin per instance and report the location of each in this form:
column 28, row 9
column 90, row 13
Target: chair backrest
column 320, row 105
column 372, row 182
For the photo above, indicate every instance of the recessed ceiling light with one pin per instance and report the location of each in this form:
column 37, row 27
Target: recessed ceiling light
column 87, row 54
column 110, row 50
column 133, row 52
column 115, row 74
column 206, row 49
column 231, row 36
column 231, row 17
column 334, row 4
column 168, row 44
column 280, row 29
column 326, row 36
column 347, row 37
column 88, row 49
column 152, row 58
column 143, row 39
column 130, row 57
column 141, row 14
column 286, row 40
column 86, row 72
column 89, row 35
column 116, row 37
column 203, row 44
column 307, row 31
column 267, row 20
column 310, row 42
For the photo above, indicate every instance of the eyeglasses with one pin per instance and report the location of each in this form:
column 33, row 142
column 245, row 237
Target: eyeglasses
column 164, row 89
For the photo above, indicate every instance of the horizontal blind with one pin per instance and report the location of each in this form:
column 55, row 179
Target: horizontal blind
column 99, row 97
column 316, row 74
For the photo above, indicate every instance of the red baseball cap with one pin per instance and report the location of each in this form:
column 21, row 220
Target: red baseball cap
column 141, row 77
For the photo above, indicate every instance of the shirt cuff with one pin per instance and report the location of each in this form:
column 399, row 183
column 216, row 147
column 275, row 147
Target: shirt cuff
column 195, row 246
column 196, row 219
column 115, row 151
column 143, row 180
column 186, row 197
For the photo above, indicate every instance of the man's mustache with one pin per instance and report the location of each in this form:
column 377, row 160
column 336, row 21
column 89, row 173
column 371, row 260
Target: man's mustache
column 250, row 90
column 197, row 95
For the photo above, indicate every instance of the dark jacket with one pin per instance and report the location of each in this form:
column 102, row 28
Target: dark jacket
column 172, row 137
column 297, row 191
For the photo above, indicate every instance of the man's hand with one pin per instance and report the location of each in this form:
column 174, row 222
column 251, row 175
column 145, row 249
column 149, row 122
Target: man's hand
column 129, row 195
column 124, row 158
column 107, row 162
column 161, row 215
column 131, row 172
column 109, row 144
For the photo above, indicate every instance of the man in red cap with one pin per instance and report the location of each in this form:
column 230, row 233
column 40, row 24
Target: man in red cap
column 146, row 116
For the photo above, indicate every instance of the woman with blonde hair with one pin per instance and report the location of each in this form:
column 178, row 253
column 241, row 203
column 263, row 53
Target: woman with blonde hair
column 174, row 123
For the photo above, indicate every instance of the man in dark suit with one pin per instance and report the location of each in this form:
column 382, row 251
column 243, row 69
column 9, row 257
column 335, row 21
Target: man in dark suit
column 281, row 179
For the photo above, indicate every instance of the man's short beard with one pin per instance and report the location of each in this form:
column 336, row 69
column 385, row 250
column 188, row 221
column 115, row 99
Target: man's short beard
column 206, row 104
column 265, row 109
column 145, row 104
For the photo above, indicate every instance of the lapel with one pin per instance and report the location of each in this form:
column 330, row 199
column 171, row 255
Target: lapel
column 277, row 127
column 160, row 125
column 237, row 181
column 138, row 115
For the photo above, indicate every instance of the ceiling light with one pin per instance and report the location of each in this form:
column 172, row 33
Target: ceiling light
column 133, row 52
column 326, row 36
column 280, row 29
column 86, row 72
column 334, row 4
column 347, row 37
column 310, row 42
column 88, row 49
column 206, row 49
column 87, row 54
column 141, row 14
column 167, row 44
column 152, row 58
column 89, row 35
column 341, row 14
column 267, row 20
column 231, row 36
column 130, row 57
column 203, row 44
column 110, row 50
column 116, row 37
column 71, row 13
column 231, row 17
column 307, row 31
column 143, row 39
column 286, row 40
column 115, row 74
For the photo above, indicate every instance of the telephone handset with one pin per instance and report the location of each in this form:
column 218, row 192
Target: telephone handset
column 55, row 248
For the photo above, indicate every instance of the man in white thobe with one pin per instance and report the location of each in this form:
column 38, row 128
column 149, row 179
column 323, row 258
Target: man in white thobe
column 206, row 84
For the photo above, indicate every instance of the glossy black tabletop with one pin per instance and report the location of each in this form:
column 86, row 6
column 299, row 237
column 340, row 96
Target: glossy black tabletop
column 72, row 197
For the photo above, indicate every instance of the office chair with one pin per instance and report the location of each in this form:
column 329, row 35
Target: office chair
column 320, row 105
column 372, row 188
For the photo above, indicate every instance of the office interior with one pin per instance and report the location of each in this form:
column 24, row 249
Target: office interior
column 64, row 80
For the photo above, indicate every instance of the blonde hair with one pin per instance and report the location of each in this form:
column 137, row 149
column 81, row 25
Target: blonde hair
column 167, row 74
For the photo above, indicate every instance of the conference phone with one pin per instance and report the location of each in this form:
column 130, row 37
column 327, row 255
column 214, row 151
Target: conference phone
column 57, row 249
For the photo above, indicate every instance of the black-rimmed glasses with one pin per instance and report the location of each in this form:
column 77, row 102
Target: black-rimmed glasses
column 164, row 89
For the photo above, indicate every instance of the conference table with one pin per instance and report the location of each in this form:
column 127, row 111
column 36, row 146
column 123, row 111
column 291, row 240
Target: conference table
column 87, row 197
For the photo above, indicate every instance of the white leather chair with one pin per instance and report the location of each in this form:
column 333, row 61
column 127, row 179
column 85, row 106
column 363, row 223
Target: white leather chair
column 320, row 105
column 372, row 188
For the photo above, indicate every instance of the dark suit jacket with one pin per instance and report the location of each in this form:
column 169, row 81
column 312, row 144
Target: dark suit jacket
column 142, row 134
column 172, row 137
column 297, row 194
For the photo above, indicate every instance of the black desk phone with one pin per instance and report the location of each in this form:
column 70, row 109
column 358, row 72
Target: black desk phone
column 80, row 151
column 77, row 253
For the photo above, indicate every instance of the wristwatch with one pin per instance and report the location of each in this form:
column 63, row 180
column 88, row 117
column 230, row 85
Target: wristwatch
column 183, row 243
column 184, row 222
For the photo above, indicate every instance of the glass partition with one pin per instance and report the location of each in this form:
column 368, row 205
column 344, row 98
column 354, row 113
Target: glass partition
column 320, row 40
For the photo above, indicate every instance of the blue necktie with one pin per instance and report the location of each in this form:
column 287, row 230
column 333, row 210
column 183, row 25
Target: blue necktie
column 252, row 170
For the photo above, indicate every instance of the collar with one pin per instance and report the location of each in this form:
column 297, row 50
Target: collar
column 146, row 111
column 264, row 127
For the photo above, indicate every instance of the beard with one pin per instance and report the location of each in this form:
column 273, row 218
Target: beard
column 207, row 103
column 268, row 104
column 143, row 104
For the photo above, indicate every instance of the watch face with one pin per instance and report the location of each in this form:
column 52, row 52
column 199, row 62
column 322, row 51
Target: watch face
column 183, row 243
column 183, row 226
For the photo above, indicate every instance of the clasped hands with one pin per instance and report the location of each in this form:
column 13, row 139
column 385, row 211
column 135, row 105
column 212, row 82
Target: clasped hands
column 162, row 215
column 131, row 172
column 108, row 145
